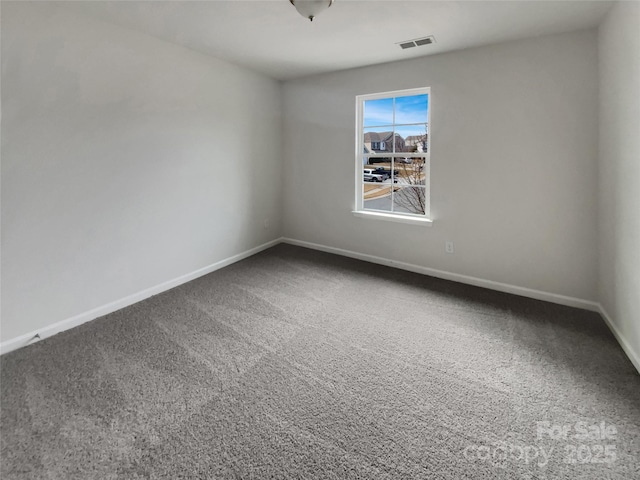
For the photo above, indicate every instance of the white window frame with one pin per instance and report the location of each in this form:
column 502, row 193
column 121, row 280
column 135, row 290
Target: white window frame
column 360, row 211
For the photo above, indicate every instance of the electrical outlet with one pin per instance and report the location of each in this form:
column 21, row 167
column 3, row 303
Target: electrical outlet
column 448, row 247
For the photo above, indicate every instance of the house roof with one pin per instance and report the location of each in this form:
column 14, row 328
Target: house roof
column 415, row 139
column 370, row 137
column 380, row 136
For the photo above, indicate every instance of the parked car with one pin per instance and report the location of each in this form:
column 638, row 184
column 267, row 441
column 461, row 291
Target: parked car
column 387, row 171
column 373, row 160
column 371, row 175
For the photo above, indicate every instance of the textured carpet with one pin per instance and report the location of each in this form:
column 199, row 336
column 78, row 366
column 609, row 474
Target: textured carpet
column 301, row 364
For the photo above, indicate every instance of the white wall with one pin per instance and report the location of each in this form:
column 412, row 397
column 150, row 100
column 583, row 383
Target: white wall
column 126, row 162
column 513, row 163
column 619, row 171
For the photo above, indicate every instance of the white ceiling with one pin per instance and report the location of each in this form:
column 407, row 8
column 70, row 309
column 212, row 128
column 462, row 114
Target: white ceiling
column 271, row 37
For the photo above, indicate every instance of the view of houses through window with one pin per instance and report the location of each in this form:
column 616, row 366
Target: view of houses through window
column 394, row 152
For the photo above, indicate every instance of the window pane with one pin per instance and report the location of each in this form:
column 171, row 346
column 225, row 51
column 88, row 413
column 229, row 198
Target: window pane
column 410, row 170
column 385, row 167
column 378, row 140
column 412, row 109
column 378, row 112
column 414, row 138
column 409, row 200
column 377, row 197
column 376, row 174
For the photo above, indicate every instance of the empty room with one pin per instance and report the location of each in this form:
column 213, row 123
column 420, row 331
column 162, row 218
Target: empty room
column 320, row 239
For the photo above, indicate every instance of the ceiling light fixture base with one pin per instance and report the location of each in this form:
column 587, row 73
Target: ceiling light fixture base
column 311, row 8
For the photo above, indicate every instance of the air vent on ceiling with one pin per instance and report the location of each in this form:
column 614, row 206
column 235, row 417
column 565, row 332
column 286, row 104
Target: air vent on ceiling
column 417, row 42
column 424, row 41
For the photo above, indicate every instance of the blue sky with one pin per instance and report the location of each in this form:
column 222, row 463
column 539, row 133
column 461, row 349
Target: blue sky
column 411, row 109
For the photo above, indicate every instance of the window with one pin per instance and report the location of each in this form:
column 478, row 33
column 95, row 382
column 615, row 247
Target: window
column 392, row 161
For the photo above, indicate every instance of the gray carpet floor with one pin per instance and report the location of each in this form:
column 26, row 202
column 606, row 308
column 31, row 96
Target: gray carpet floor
column 300, row 364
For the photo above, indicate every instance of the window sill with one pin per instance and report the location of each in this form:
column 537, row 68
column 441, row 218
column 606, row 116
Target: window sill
column 425, row 222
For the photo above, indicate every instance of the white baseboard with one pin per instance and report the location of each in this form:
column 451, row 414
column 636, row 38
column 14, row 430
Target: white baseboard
column 626, row 346
column 48, row 331
column 456, row 277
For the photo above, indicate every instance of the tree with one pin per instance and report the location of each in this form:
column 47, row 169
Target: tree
column 410, row 193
